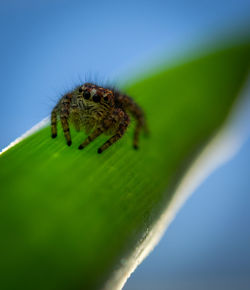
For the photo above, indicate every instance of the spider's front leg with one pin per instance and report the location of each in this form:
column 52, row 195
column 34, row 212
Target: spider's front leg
column 123, row 124
column 64, row 116
column 91, row 137
column 54, row 122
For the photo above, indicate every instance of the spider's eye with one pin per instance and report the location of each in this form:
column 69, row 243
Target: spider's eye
column 105, row 99
column 80, row 90
column 86, row 95
column 96, row 98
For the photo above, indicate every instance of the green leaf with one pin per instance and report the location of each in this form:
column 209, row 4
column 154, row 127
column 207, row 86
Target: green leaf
column 71, row 219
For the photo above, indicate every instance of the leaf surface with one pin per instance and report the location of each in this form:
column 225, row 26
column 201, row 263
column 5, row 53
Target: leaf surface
column 69, row 217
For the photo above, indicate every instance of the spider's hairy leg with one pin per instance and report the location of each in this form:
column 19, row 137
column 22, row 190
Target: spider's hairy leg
column 64, row 116
column 136, row 111
column 54, row 122
column 119, row 133
column 140, row 124
column 91, row 137
column 136, row 135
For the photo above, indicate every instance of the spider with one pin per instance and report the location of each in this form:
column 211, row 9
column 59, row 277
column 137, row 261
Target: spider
column 97, row 110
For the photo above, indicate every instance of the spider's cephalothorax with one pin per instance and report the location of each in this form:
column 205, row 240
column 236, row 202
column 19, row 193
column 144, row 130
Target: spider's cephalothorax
column 97, row 110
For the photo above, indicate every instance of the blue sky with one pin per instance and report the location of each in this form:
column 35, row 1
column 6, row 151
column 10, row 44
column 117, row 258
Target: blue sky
column 49, row 46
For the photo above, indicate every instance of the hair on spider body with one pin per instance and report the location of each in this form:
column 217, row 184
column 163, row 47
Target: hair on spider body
column 97, row 110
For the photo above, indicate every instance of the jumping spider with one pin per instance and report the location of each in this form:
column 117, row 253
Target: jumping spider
column 97, row 110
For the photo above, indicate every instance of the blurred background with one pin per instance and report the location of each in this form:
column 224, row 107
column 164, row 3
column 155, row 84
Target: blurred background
column 49, row 46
